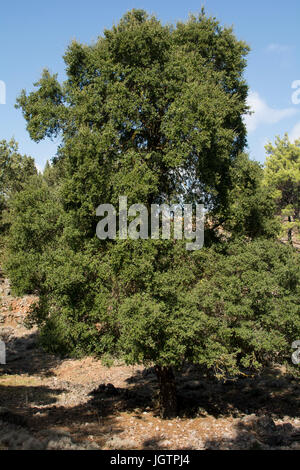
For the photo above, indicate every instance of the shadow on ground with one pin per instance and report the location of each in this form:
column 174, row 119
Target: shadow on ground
column 256, row 401
column 258, row 433
column 271, row 392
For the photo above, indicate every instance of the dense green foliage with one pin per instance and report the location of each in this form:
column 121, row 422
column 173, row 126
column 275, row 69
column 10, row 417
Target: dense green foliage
column 251, row 205
column 35, row 223
column 282, row 179
column 15, row 170
column 153, row 112
column 226, row 308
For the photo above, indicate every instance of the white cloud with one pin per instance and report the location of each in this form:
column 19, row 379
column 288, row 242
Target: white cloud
column 277, row 48
column 295, row 133
column 264, row 114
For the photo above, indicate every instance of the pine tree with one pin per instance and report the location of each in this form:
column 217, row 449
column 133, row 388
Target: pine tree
column 282, row 178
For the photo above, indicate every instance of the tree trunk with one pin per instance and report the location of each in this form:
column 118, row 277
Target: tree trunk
column 290, row 232
column 167, row 392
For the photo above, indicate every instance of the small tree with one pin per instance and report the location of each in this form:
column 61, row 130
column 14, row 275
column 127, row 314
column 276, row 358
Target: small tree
column 282, row 178
column 251, row 207
column 15, row 170
column 34, row 232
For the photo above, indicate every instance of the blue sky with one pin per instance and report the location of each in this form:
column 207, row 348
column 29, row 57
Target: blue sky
column 35, row 34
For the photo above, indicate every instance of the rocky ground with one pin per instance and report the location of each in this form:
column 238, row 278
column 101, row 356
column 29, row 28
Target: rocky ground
column 50, row 403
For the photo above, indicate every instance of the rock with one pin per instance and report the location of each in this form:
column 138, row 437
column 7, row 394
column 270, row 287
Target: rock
column 148, row 372
column 32, row 444
column 266, row 424
column 108, row 390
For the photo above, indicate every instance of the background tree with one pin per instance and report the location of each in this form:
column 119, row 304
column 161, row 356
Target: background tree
column 282, row 178
column 251, row 207
column 35, row 226
column 152, row 112
column 15, row 170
